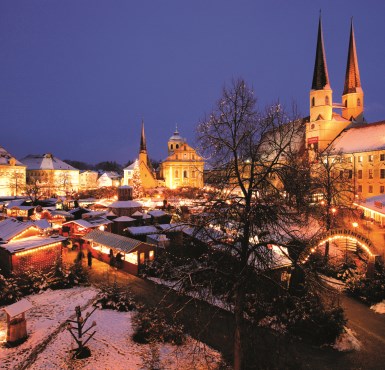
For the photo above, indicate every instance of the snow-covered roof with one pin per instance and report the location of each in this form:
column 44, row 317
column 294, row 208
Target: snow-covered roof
column 6, row 158
column 124, row 219
column 11, row 227
column 115, row 241
column 142, row 230
column 42, row 224
column 156, row 213
column 111, row 174
column 45, row 162
column 125, row 204
column 376, row 203
column 30, row 243
column 132, row 166
column 137, row 214
column 91, row 222
column 18, row 308
column 362, row 138
column 172, row 227
column 15, row 203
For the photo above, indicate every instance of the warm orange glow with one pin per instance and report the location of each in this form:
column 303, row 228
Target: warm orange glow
column 355, row 224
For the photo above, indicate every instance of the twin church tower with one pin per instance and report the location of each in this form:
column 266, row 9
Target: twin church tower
column 325, row 125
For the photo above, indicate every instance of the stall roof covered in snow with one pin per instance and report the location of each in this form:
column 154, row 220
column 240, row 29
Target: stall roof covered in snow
column 124, row 219
column 125, row 204
column 156, row 213
column 376, row 203
column 122, row 243
column 360, row 138
column 30, row 243
column 11, row 227
column 90, row 222
column 142, row 230
column 18, row 308
column 45, row 162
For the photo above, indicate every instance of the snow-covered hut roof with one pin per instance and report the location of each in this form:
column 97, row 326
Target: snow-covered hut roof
column 125, row 204
column 124, row 219
column 91, row 222
column 31, row 243
column 142, row 230
column 115, row 241
column 156, row 213
column 361, row 138
column 18, row 308
column 11, row 227
column 45, row 162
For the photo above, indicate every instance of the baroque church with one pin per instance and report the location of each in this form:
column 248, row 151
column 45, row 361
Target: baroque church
column 183, row 167
column 361, row 145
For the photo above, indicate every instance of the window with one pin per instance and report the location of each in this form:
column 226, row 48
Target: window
column 346, row 103
column 185, row 174
column 185, row 147
column 382, row 157
column 358, row 102
column 382, row 189
column 370, row 157
column 312, row 101
column 327, row 101
column 350, row 160
column 370, row 173
column 359, row 173
column 341, row 174
column 360, row 158
column 177, row 146
column 359, row 189
column 151, row 255
column 176, row 173
column 350, row 174
column 382, row 173
column 370, row 188
column 142, row 258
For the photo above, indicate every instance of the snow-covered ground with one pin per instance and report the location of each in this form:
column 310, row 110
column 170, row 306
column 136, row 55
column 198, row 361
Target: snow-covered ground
column 111, row 347
column 379, row 307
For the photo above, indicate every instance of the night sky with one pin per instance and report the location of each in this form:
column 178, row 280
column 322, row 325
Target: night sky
column 77, row 77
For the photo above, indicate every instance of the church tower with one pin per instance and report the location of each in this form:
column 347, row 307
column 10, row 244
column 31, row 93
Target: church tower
column 321, row 92
column 353, row 95
column 143, row 157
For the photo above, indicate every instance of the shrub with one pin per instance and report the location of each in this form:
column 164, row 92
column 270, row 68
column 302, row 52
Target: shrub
column 152, row 326
column 9, row 291
column 114, row 298
column 369, row 291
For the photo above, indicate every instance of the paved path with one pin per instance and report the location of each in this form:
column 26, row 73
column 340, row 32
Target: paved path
column 215, row 327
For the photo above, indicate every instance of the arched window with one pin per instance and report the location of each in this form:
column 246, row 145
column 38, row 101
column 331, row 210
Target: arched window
column 358, row 102
column 346, row 103
column 171, row 146
column 313, row 101
column 185, row 174
column 177, row 146
column 327, row 101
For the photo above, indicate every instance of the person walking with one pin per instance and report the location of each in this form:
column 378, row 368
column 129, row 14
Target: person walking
column 89, row 259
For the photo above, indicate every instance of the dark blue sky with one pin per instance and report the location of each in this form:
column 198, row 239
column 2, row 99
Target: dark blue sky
column 76, row 77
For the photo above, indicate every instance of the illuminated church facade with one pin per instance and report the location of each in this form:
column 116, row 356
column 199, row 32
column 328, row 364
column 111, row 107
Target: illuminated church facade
column 359, row 145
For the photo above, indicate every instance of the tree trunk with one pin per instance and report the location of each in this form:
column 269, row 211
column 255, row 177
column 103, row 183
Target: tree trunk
column 238, row 313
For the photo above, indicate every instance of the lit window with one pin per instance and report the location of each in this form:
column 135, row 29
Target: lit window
column 370, row 157
column 360, row 158
column 151, row 255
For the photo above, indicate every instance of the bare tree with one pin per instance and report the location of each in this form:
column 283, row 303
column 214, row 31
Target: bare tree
column 332, row 187
column 250, row 152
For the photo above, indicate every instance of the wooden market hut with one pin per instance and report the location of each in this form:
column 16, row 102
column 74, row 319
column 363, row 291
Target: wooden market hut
column 135, row 253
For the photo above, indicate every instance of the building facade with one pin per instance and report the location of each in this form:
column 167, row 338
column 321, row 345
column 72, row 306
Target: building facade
column 183, row 167
column 12, row 175
column 51, row 175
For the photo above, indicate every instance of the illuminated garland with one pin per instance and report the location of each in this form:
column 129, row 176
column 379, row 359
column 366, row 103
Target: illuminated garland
column 33, row 250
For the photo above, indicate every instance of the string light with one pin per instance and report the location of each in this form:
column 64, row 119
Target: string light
column 34, row 250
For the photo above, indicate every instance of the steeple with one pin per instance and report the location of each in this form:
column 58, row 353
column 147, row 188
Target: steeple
column 143, row 147
column 352, row 76
column 353, row 95
column 320, row 74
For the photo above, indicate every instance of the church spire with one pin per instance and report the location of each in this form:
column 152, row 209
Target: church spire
column 320, row 74
column 352, row 76
column 143, row 147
